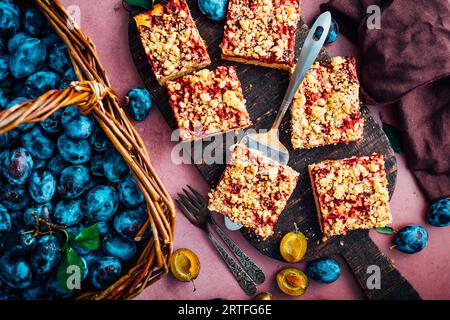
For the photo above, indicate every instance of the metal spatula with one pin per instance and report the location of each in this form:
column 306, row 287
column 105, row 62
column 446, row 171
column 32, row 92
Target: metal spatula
column 268, row 143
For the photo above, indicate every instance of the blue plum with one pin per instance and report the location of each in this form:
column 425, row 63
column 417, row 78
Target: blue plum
column 96, row 165
column 36, row 292
column 39, row 163
column 9, row 18
column 54, row 289
column 68, row 77
column 76, row 125
column 99, row 140
column 105, row 272
column 439, row 213
column 34, row 22
column 74, row 230
column 74, row 151
column 68, row 212
column 139, row 103
column 325, row 270
column 43, row 211
column 15, row 272
column 53, row 123
column 8, row 296
column 101, row 203
column 19, row 242
column 73, row 181
column 104, row 227
column 4, row 67
column 4, row 98
column 411, row 239
column 332, row 33
column 118, row 247
column 16, row 219
column 46, row 254
column 5, row 220
column 214, row 9
column 13, row 197
column 129, row 193
column 116, row 169
column 58, row 58
column 40, row 82
column 128, row 223
column 3, row 44
column 27, row 58
column 17, row 166
column 50, row 39
column 3, row 154
column 57, row 164
column 16, row 40
column 10, row 138
column 38, row 143
column 92, row 257
column 42, row 185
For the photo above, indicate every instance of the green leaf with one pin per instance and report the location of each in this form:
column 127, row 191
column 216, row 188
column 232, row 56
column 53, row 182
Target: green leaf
column 66, row 240
column 88, row 238
column 70, row 259
column 146, row 4
column 385, row 230
column 393, row 135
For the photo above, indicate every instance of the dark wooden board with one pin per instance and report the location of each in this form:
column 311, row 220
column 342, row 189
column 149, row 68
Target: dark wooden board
column 264, row 89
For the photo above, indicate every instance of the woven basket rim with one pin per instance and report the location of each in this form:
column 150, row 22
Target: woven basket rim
column 92, row 94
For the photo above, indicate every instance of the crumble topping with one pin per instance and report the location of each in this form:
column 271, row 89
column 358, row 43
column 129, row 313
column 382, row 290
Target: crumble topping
column 171, row 40
column 325, row 109
column 261, row 31
column 208, row 102
column 351, row 194
column 253, row 190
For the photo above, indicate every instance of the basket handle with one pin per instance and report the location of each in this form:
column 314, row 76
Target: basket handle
column 86, row 95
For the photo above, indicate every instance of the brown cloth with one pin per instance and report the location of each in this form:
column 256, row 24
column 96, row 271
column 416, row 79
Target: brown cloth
column 406, row 63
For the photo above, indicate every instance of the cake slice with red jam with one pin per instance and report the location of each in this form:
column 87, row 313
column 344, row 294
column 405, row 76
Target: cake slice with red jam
column 350, row 194
column 171, row 40
column 326, row 109
column 208, row 102
column 261, row 32
column 253, row 190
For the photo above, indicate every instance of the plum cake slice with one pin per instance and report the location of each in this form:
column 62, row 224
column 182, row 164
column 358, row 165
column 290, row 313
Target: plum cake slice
column 350, row 194
column 325, row 109
column 261, row 32
column 208, row 102
column 253, row 190
column 171, row 40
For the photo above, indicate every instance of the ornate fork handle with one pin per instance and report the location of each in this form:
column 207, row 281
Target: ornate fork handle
column 245, row 282
column 252, row 269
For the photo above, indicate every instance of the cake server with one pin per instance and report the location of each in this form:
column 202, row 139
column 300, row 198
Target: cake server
column 268, row 143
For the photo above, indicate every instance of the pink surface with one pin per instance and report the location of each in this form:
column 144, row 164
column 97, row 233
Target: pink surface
column 106, row 22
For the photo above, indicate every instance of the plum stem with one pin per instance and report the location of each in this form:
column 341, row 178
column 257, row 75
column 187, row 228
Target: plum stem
column 38, row 221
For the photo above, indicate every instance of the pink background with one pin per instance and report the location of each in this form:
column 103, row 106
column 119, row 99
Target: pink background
column 106, row 22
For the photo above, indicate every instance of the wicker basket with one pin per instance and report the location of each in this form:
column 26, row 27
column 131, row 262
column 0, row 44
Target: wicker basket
column 92, row 94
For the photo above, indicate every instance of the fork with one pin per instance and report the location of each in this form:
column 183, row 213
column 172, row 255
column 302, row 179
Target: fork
column 195, row 208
